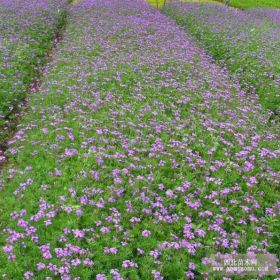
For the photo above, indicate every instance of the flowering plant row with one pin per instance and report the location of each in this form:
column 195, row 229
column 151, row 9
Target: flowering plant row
column 27, row 29
column 138, row 158
column 246, row 42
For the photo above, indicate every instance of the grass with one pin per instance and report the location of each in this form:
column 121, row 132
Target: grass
column 160, row 3
column 241, row 4
column 247, row 4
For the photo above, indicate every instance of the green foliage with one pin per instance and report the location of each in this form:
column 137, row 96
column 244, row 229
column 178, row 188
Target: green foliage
column 247, row 4
column 241, row 4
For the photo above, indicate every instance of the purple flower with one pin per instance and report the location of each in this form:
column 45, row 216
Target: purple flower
column 129, row 264
column 101, row 277
column 190, row 275
column 41, row 266
column 112, row 250
column 88, row 262
column 146, row 233
column 191, row 266
column 71, row 152
column 8, row 249
column 28, row 275
column 104, row 230
column 157, row 275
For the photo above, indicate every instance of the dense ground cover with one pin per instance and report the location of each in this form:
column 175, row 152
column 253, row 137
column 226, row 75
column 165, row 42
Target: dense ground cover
column 138, row 157
column 242, row 4
column 270, row 14
column 27, row 28
column 247, row 43
column 160, row 3
column 247, row 4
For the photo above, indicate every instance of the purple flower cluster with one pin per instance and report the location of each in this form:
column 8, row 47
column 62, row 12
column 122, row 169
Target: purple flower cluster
column 138, row 157
column 26, row 30
column 247, row 42
column 270, row 14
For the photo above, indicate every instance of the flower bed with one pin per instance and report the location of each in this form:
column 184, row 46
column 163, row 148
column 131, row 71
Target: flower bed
column 245, row 42
column 27, row 30
column 138, row 157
